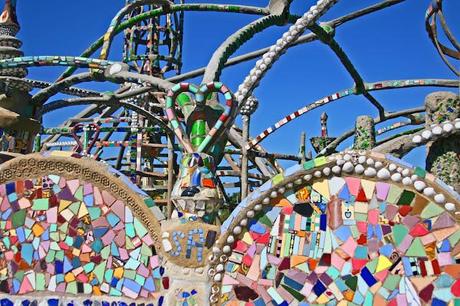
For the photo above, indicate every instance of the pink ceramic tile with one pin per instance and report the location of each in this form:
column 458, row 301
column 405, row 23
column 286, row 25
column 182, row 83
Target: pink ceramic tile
column 373, row 216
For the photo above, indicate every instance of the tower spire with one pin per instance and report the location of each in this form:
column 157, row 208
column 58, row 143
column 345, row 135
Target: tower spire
column 9, row 24
column 19, row 122
column 9, row 44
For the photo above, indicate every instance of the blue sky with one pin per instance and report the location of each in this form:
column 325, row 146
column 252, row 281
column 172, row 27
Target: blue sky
column 390, row 44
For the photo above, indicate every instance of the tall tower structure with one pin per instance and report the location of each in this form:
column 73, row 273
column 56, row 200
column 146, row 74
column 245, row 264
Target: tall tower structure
column 154, row 46
column 18, row 124
column 9, row 44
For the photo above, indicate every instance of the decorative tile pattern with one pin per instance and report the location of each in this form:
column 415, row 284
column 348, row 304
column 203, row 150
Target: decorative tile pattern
column 336, row 96
column 346, row 240
column 68, row 301
column 188, row 243
column 70, row 237
column 186, row 298
column 31, row 61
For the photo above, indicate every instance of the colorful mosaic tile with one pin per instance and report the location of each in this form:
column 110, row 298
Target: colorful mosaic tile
column 70, row 237
column 55, row 301
column 346, row 240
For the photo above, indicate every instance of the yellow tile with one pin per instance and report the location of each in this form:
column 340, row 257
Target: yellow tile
column 322, row 187
column 37, row 229
column 69, row 277
column 247, row 238
column 118, row 273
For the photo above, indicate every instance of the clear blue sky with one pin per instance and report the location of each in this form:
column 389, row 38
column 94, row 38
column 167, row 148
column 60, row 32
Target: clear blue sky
column 390, row 44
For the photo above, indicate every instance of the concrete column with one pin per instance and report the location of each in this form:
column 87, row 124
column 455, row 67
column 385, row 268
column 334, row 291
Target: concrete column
column 364, row 133
column 246, row 111
column 443, row 155
column 244, row 157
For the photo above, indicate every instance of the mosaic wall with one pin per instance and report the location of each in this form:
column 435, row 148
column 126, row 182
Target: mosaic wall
column 346, row 240
column 70, row 237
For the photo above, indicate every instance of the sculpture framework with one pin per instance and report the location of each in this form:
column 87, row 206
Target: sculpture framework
column 128, row 203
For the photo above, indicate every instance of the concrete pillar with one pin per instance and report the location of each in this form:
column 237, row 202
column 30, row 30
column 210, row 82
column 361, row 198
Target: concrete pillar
column 364, row 133
column 246, row 111
column 443, row 155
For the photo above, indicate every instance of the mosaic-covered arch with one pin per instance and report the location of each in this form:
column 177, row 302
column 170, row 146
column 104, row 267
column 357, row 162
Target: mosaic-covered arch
column 359, row 227
column 73, row 229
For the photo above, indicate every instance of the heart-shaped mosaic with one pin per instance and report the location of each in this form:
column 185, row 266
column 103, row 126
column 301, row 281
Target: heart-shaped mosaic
column 201, row 93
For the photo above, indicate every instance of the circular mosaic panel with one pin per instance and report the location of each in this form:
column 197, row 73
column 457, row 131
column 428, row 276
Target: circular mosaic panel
column 341, row 239
column 64, row 235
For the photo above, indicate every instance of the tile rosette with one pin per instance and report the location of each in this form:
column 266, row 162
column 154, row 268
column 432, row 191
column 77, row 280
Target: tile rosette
column 354, row 227
column 71, row 227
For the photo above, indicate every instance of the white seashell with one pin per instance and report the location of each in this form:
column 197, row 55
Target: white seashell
column 407, row 181
column 336, row 170
column 217, row 277
column 426, row 134
column 371, row 172
column 457, row 124
column 440, row 198
column 359, row 169
column 419, row 185
column 348, row 167
column 448, row 127
column 383, row 174
column 437, row 130
column 429, row 191
column 396, row 177
column 417, row 139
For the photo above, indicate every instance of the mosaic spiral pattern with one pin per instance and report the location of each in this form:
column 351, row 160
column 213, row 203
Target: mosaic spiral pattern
column 346, row 240
column 70, row 237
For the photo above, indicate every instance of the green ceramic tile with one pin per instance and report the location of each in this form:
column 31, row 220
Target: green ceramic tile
column 431, row 210
column 309, row 165
column 406, row 197
column 391, row 282
column 416, row 248
column 320, row 161
column 277, row 179
column 420, row 172
column 40, row 204
column 399, row 232
column 19, row 218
